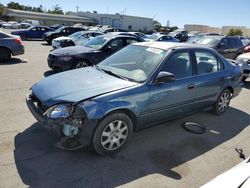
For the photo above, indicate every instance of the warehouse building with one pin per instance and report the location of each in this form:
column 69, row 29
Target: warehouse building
column 47, row 19
column 120, row 21
column 223, row 30
column 202, row 28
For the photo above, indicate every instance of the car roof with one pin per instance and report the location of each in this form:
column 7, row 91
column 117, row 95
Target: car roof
column 169, row 45
column 110, row 36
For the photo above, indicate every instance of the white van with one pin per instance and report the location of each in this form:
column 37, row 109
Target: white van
column 28, row 23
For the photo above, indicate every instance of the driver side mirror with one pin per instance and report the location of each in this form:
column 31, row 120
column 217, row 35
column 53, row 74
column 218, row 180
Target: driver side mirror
column 164, row 77
column 108, row 48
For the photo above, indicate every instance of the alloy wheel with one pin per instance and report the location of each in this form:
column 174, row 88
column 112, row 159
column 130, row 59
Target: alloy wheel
column 81, row 65
column 114, row 135
column 224, row 102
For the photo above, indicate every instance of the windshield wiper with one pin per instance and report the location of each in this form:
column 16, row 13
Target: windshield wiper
column 110, row 73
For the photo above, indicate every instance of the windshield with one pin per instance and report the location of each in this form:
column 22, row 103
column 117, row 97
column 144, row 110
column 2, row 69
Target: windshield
column 134, row 62
column 208, row 41
column 172, row 34
column 154, row 37
column 96, row 42
column 59, row 29
column 76, row 35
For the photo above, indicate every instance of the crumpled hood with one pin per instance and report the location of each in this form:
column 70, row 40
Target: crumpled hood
column 72, row 50
column 77, row 85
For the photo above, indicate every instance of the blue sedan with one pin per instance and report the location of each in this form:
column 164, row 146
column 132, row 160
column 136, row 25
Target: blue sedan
column 142, row 85
column 33, row 32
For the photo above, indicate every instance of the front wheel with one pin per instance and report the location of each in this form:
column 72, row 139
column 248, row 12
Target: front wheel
column 81, row 64
column 222, row 102
column 112, row 133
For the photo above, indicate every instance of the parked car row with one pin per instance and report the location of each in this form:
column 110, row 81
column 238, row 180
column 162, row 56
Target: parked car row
column 91, row 53
column 18, row 25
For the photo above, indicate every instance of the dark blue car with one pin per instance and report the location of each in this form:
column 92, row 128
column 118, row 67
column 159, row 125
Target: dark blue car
column 142, row 85
column 33, row 32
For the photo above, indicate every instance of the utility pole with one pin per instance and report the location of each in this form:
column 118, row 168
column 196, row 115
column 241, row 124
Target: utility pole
column 77, row 7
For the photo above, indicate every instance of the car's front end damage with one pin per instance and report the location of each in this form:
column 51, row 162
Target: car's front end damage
column 65, row 103
column 67, row 121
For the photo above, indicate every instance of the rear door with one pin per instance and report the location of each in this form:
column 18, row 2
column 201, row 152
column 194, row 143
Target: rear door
column 209, row 76
column 232, row 47
column 174, row 98
column 223, row 48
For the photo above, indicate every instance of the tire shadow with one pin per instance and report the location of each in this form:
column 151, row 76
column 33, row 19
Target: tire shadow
column 154, row 150
column 49, row 73
column 12, row 61
column 246, row 84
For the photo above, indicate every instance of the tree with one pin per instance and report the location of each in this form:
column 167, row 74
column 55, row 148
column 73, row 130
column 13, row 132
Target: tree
column 234, row 32
column 1, row 9
column 56, row 9
column 156, row 23
column 14, row 5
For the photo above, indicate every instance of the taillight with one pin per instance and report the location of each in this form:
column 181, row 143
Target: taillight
column 18, row 41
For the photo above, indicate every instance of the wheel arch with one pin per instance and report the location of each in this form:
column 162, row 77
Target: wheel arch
column 126, row 111
column 230, row 88
column 7, row 49
column 79, row 60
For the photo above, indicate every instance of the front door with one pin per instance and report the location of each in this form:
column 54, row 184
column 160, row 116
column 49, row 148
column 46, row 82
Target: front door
column 176, row 97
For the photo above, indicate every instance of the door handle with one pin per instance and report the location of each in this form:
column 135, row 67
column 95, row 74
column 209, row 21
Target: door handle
column 229, row 77
column 191, row 86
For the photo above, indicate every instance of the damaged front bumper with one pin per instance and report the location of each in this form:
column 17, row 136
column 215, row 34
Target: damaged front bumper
column 72, row 133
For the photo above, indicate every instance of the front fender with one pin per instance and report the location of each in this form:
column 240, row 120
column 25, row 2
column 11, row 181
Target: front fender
column 96, row 110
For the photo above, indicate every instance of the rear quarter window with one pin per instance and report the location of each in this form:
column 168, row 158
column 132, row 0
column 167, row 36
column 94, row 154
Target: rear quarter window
column 208, row 62
column 2, row 35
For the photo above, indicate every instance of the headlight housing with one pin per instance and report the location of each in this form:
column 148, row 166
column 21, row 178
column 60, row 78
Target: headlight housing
column 59, row 111
column 65, row 58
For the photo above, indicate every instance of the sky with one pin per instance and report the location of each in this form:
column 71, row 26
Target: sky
column 214, row 13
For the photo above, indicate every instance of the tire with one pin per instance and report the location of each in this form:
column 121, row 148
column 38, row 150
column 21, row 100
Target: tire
column 5, row 54
column 244, row 78
column 23, row 37
column 112, row 134
column 81, row 64
column 222, row 102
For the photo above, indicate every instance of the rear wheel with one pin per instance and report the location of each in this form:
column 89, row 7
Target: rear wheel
column 222, row 102
column 23, row 37
column 112, row 133
column 5, row 54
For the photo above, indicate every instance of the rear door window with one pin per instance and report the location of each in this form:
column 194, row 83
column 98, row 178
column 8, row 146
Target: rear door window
column 2, row 35
column 232, row 43
column 130, row 41
column 116, row 44
column 207, row 62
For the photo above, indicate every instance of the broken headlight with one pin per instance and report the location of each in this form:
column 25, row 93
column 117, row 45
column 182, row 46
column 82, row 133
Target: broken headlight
column 59, row 111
